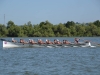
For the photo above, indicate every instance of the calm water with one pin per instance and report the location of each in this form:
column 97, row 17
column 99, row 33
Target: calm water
column 50, row 61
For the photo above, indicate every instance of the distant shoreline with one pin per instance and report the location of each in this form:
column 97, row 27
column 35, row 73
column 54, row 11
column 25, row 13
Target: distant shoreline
column 47, row 29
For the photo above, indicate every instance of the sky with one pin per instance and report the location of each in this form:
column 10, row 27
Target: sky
column 55, row 11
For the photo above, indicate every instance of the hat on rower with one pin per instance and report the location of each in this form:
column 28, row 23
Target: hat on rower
column 46, row 39
column 12, row 38
column 57, row 40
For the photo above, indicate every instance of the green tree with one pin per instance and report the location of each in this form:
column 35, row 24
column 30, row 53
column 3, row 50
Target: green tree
column 70, row 23
column 3, row 31
column 36, row 31
column 11, row 29
column 46, row 29
column 10, row 24
column 14, row 31
column 63, row 31
column 80, row 30
column 97, row 23
column 73, row 31
column 93, row 29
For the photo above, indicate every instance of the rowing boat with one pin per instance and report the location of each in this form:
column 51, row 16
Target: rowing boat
column 7, row 44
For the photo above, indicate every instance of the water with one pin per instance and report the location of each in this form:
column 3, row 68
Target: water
column 50, row 61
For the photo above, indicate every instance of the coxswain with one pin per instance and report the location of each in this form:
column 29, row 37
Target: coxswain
column 13, row 40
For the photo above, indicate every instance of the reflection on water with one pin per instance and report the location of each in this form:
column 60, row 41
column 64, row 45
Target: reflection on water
column 50, row 61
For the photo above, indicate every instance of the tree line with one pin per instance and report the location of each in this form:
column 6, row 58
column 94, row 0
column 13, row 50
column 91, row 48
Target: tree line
column 47, row 29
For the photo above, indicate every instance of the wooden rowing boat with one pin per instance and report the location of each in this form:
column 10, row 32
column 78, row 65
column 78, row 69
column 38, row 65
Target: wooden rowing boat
column 17, row 44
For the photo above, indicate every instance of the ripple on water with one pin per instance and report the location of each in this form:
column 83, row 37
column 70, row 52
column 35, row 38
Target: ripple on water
column 50, row 61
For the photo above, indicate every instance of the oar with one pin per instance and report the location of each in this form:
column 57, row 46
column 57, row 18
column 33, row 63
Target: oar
column 98, row 44
column 2, row 39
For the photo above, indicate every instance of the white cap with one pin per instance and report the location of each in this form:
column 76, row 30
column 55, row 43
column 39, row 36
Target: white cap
column 12, row 38
column 57, row 40
column 46, row 39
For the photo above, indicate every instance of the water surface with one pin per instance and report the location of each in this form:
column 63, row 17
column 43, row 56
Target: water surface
column 50, row 61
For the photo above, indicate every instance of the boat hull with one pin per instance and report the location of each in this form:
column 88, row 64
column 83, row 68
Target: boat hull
column 12, row 44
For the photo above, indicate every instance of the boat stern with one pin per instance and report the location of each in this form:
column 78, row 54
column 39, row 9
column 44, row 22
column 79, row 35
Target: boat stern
column 8, row 44
column 4, row 43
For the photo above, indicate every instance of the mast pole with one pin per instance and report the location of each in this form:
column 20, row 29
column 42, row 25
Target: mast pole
column 4, row 19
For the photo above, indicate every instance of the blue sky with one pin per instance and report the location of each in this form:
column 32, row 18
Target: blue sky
column 55, row 11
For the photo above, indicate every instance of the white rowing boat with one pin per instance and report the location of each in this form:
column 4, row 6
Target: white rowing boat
column 7, row 44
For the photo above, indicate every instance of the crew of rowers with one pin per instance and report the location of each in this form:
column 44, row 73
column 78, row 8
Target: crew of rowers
column 56, row 41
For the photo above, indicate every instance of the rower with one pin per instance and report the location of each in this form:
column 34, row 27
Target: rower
column 13, row 40
column 40, row 41
column 55, row 41
column 21, row 40
column 30, row 41
column 87, row 41
column 46, row 41
column 76, row 40
column 33, row 42
column 58, row 42
column 67, row 42
column 63, row 41
column 49, row 42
